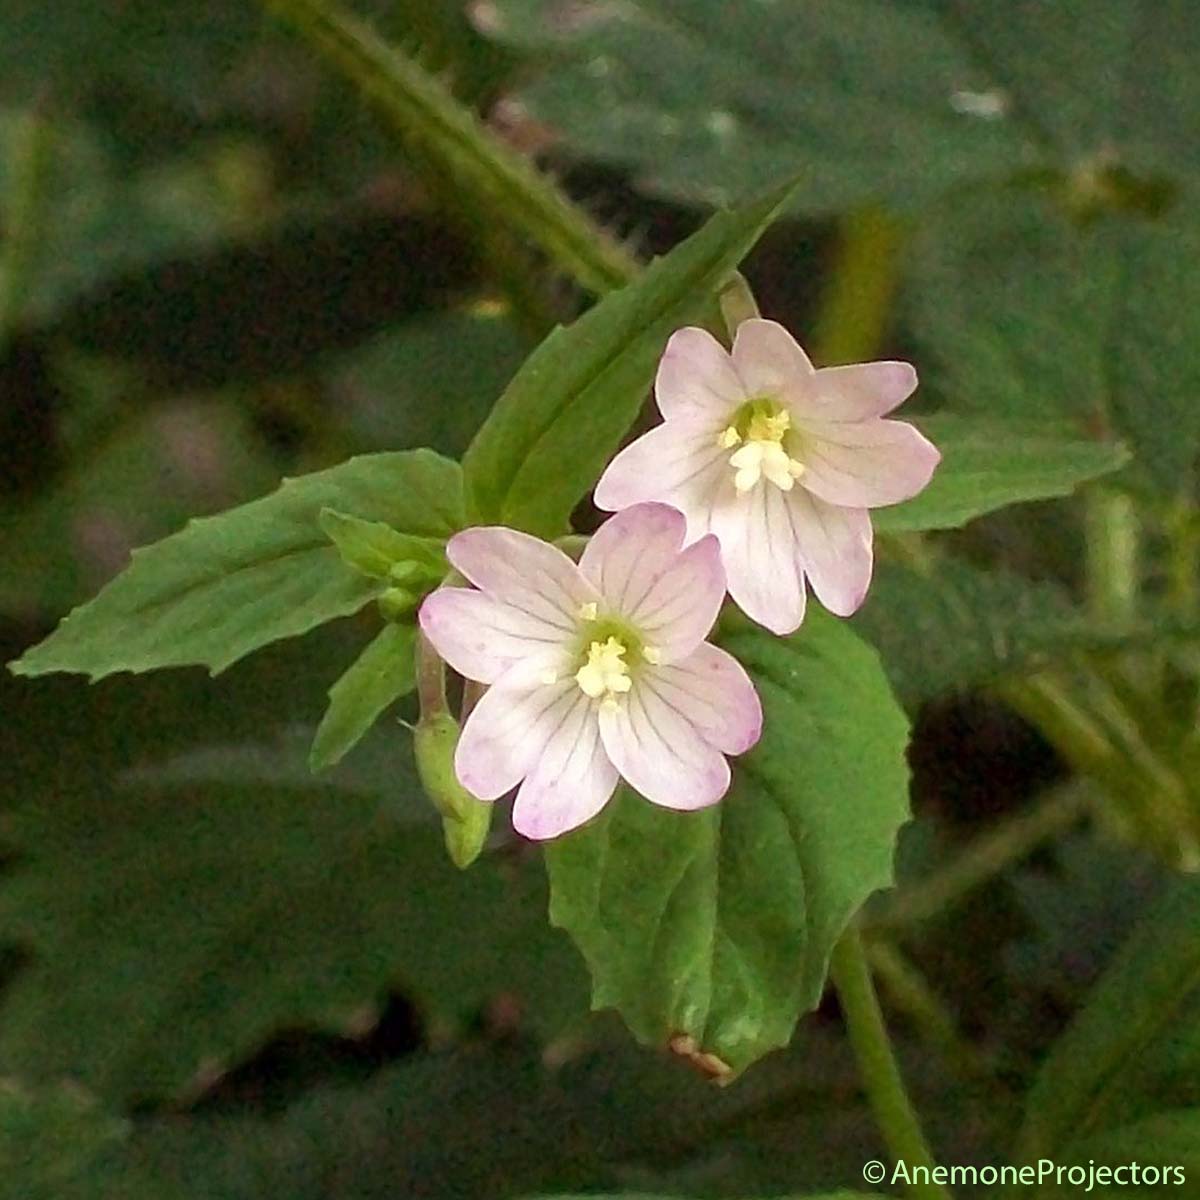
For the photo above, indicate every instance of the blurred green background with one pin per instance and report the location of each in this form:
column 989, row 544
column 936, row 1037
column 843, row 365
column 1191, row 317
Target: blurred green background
column 222, row 977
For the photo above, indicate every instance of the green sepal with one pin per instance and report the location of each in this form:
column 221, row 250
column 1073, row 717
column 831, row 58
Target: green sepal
column 465, row 820
column 378, row 551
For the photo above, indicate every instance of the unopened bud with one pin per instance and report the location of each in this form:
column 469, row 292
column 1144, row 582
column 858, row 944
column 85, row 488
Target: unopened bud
column 396, row 603
column 465, row 820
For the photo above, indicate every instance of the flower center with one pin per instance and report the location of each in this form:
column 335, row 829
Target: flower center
column 759, row 430
column 605, row 674
column 611, row 652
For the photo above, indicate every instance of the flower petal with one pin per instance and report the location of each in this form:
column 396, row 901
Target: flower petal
column 696, row 378
column 678, row 462
column 865, row 464
column 572, row 780
column 759, row 547
column 524, row 572
column 661, row 753
column 835, row 550
column 672, row 597
column 768, row 359
column 853, row 393
column 508, row 731
column 482, row 638
column 712, row 691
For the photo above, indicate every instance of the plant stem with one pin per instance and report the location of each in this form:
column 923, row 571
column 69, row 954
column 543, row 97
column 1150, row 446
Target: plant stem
column 29, row 168
column 1112, row 535
column 857, row 307
column 479, row 169
column 877, row 1065
column 911, row 994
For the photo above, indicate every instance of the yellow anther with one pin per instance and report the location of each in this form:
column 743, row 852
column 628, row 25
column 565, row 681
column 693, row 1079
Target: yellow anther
column 652, row 654
column 587, row 612
column 728, row 438
column 605, row 673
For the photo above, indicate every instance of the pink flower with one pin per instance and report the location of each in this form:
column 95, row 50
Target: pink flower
column 778, row 459
column 597, row 671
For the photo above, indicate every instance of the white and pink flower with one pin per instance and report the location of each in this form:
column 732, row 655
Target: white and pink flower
column 779, row 460
column 596, row 671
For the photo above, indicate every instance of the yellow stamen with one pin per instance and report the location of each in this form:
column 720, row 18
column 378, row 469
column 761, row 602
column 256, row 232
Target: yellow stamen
column 728, row 438
column 587, row 612
column 652, row 654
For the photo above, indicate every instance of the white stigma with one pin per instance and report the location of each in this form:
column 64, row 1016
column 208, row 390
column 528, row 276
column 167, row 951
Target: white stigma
column 604, row 676
column 763, row 455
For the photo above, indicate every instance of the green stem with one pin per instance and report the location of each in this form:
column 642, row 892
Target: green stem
column 30, row 162
column 877, row 1065
column 911, row 994
column 857, row 308
column 502, row 184
column 1112, row 536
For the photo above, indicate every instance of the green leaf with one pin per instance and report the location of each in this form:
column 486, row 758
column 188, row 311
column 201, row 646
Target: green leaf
column 899, row 103
column 225, row 585
column 375, row 549
column 197, row 919
column 380, row 675
column 562, row 417
column 988, row 464
column 717, row 925
column 1133, row 1053
column 1027, row 315
column 703, row 102
column 960, row 626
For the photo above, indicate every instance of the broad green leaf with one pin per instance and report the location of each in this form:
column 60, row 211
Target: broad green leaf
column 987, row 464
column 178, row 926
column 703, row 99
column 377, row 550
column 225, row 585
column 959, row 626
column 1133, row 1053
column 380, row 675
column 1025, row 314
column 562, row 417
column 716, row 926
column 898, row 102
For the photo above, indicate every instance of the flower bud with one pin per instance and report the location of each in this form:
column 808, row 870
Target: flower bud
column 465, row 820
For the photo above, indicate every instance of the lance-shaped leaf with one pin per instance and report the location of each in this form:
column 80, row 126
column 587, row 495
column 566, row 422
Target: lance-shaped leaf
column 988, row 464
column 562, row 417
column 226, row 585
column 712, row 930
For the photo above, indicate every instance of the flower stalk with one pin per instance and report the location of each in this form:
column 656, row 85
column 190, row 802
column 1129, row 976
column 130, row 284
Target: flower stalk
column 881, row 1079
